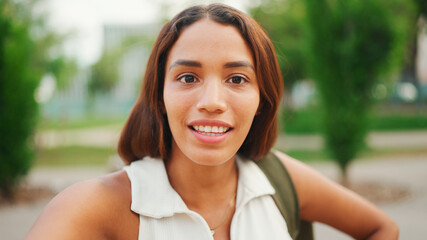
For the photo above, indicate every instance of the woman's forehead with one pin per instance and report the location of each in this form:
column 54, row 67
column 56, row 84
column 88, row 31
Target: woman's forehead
column 207, row 40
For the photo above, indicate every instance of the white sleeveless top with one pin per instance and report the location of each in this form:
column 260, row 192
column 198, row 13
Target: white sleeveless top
column 164, row 215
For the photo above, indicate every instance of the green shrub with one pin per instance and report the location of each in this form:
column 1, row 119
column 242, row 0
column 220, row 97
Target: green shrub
column 18, row 109
column 25, row 56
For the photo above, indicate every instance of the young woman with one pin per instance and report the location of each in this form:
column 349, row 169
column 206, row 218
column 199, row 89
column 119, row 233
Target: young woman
column 206, row 112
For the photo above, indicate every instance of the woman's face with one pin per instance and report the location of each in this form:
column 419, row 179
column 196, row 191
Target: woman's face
column 211, row 93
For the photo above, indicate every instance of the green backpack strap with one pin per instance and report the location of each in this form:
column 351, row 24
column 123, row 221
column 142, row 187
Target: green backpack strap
column 285, row 197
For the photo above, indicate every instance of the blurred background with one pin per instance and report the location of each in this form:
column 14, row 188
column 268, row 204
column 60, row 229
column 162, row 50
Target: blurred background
column 355, row 105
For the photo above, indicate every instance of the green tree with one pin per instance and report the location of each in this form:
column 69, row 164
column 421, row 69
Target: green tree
column 18, row 108
column 350, row 44
column 24, row 59
column 283, row 20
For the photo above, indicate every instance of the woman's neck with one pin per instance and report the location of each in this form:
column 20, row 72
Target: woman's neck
column 200, row 186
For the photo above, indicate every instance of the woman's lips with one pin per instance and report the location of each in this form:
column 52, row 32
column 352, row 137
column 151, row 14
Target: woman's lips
column 210, row 138
column 210, row 131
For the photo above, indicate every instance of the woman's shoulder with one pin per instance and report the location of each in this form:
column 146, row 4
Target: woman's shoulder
column 93, row 209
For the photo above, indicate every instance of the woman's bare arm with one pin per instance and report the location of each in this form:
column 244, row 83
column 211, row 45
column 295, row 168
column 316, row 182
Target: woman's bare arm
column 324, row 201
column 87, row 210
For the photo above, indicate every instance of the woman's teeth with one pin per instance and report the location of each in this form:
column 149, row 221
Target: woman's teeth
column 211, row 130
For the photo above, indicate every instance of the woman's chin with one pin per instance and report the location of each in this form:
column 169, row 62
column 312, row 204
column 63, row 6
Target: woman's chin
column 211, row 160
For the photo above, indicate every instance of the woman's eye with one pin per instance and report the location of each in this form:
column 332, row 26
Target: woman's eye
column 187, row 79
column 237, row 80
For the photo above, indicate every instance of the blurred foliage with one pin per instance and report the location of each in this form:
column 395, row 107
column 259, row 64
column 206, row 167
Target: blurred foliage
column 350, row 45
column 422, row 6
column 284, row 23
column 64, row 69
column 418, row 11
column 404, row 24
column 283, row 20
column 105, row 72
column 19, row 79
column 25, row 56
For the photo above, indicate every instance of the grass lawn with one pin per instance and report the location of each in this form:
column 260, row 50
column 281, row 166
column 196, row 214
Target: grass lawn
column 98, row 156
column 87, row 122
column 73, row 156
column 322, row 155
column 309, row 121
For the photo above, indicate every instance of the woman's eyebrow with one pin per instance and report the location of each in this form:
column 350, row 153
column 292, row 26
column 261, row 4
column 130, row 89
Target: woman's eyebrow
column 182, row 62
column 239, row 64
column 191, row 63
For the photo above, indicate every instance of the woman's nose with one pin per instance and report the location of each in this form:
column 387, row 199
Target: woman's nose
column 212, row 97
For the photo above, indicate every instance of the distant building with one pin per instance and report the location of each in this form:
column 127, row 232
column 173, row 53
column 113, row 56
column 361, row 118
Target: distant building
column 73, row 101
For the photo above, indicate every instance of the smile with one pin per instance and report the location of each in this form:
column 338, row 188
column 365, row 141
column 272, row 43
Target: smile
column 210, row 130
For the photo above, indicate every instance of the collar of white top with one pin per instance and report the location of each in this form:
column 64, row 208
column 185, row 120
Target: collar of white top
column 153, row 196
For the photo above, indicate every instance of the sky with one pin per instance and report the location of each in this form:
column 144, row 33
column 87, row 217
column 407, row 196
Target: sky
column 83, row 19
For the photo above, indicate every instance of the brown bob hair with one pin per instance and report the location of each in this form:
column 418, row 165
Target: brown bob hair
column 147, row 132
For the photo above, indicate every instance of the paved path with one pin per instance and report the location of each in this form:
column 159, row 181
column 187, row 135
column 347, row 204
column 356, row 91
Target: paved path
column 409, row 173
